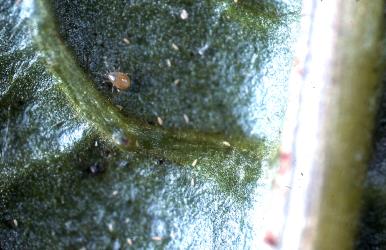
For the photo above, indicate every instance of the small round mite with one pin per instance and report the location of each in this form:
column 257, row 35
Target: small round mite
column 119, row 80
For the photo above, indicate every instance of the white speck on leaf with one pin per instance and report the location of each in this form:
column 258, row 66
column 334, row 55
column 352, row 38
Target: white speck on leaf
column 202, row 50
column 168, row 63
column 125, row 40
column 184, row 14
column 186, row 118
column 160, row 121
column 194, row 163
column 175, row 47
column 110, row 226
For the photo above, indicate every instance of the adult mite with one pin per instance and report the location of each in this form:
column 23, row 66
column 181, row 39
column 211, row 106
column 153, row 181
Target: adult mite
column 119, row 80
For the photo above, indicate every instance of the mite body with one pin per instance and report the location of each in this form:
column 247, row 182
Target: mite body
column 119, row 80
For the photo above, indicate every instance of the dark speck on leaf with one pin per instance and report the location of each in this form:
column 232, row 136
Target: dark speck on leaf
column 96, row 169
column 9, row 221
column 124, row 141
column 59, row 124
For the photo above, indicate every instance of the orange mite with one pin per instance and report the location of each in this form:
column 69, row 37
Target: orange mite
column 119, row 80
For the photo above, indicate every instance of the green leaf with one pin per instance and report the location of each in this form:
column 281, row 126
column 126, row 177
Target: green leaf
column 186, row 184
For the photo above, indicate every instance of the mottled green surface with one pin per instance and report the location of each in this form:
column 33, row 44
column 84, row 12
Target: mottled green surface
column 58, row 117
